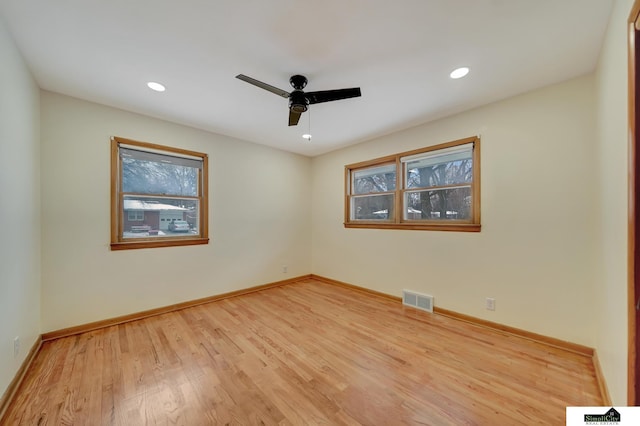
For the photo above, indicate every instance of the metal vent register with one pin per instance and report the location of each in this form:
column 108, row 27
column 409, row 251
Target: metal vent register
column 417, row 300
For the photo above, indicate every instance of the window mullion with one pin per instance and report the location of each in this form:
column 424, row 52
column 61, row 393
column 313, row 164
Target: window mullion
column 437, row 187
column 370, row 194
column 154, row 195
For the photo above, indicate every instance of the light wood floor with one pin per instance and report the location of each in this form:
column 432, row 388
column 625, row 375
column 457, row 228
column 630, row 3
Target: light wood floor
column 306, row 353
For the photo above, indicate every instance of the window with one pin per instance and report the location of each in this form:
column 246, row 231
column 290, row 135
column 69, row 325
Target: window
column 158, row 196
column 135, row 215
column 434, row 188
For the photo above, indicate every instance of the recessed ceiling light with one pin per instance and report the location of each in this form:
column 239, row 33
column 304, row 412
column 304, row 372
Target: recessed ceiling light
column 307, row 136
column 459, row 72
column 156, row 86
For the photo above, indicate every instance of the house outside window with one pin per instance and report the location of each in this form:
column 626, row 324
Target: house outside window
column 433, row 188
column 158, row 195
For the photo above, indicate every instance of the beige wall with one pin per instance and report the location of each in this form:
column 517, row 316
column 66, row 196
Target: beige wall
column 535, row 254
column 259, row 218
column 19, row 208
column 611, row 289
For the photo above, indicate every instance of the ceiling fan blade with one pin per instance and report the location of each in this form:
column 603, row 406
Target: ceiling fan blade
column 332, row 95
column 294, row 117
column 262, row 85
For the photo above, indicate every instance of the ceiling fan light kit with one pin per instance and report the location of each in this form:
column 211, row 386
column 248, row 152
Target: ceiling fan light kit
column 299, row 101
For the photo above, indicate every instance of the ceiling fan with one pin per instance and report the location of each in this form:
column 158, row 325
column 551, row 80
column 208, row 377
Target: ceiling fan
column 299, row 101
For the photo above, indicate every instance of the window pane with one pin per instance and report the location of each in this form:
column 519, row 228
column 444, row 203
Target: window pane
column 374, row 179
column 160, row 217
column 439, row 204
column 372, row 207
column 452, row 173
column 429, row 170
column 153, row 177
column 160, row 157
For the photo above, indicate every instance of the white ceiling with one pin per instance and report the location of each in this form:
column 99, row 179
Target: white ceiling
column 398, row 52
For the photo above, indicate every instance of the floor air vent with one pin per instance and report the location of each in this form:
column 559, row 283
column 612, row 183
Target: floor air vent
column 417, row 300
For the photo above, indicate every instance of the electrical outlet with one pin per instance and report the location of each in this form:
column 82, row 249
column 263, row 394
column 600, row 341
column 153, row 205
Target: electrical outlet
column 285, row 268
column 16, row 346
column 491, row 303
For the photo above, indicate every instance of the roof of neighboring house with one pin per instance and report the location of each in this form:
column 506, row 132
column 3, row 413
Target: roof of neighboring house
column 149, row 205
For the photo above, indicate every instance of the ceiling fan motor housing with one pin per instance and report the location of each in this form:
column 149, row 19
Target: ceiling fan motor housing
column 298, row 102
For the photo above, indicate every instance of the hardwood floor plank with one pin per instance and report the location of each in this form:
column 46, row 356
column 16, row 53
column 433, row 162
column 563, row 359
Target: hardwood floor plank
column 302, row 353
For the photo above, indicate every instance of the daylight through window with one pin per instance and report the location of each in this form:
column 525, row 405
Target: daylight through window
column 434, row 188
column 158, row 195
